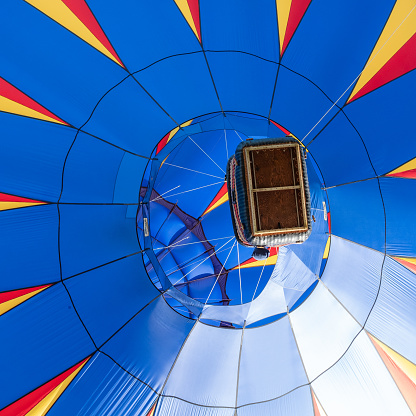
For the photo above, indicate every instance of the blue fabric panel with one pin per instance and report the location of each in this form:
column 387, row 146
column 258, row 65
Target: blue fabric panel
column 241, row 26
column 32, row 155
column 127, row 117
column 94, row 235
column 130, row 172
column 179, row 83
column 298, row 105
column 247, row 124
column 239, row 85
column 28, row 247
column 382, row 117
column 54, row 67
column 91, row 170
column 393, row 319
column 357, row 213
column 145, row 32
column 148, row 345
column 297, row 402
column 93, row 391
column 353, row 274
column 107, row 297
column 44, row 338
column 334, row 40
column 399, row 199
column 339, row 145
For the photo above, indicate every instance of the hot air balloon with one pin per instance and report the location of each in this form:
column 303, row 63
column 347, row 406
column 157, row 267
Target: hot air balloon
column 123, row 289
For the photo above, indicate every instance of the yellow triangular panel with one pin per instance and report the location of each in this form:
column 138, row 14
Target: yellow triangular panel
column 5, row 205
column 186, row 11
column 10, row 106
column 400, row 27
column 58, row 11
column 404, row 168
column 328, row 244
column 283, row 10
column 12, row 303
column 44, row 405
column 405, row 365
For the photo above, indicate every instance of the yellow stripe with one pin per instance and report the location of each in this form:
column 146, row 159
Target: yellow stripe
column 400, row 32
column 12, row 303
column 405, row 365
column 45, row 404
column 408, row 259
column 10, row 106
column 58, row 11
column 283, row 10
column 271, row 261
column 328, row 244
column 223, row 199
column 186, row 11
column 5, row 205
column 403, row 168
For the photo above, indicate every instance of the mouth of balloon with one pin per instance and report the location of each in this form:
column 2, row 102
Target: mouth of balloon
column 185, row 228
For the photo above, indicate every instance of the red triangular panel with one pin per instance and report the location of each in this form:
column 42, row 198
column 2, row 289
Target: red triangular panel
column 409, row 174
column 162, row 143
column 28, row 402
column 403, row 382
column 403, row 61
column 10, row 92
column 221, row 193
column 83, row 12
column 409, row 265
column 194, row 8
column 297, row 10
column 13, row 294
column 14, row 198
column 287, row 132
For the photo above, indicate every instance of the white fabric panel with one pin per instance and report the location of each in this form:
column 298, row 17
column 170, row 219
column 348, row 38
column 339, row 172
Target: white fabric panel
column 290, row 272
column 393, row 319
column 353, row 274
column 296, row 403
column 323, row 330
column 360, row 385
column 206, row 370
column 270, row 364
column 271, row 301
column 235, row 314
column 169, row 406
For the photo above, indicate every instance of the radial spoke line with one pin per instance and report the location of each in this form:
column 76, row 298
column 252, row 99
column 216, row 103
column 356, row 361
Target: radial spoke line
column 177, row 356
column 219, row 274
column 238, row 368
column 226, row 144
column 195, row 242
column 193, row 262
column 297, row 346
column 349, row 183
column 238, row 135
column 192, row 170
column 189, row 190
column 355, row 79
column 258, row 281
column 164, row 193
column 201, row 262
column 239, row 273
column 206, row 154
